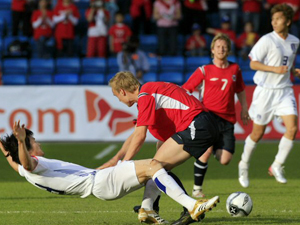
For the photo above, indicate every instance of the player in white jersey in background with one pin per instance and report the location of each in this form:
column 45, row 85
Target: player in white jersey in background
column 273, row 57
column 25, row 156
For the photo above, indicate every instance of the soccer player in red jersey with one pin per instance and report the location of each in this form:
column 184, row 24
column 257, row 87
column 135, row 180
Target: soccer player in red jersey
column 171, row 115
column 220, row 81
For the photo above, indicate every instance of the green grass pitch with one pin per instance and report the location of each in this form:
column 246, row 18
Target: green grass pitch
column 274, row 203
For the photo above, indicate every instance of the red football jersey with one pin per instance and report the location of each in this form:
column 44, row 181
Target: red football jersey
column 166, row 109
column 44, row 29
column 219, row 88
column 65, row 29
column 120, row 34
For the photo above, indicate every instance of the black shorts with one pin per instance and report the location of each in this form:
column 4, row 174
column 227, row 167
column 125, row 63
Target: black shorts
column 202, row 133
column 226, row 138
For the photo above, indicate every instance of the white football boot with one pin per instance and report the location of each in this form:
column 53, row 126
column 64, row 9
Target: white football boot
column 243, row 174
column 277, row 172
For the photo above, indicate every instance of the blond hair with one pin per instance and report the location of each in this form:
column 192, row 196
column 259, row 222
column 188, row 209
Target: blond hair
column 124, row 80
column 221, row 36
column 287, row 11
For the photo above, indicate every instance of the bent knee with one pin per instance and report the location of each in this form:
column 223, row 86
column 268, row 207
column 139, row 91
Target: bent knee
column 154, row 166
column 225, row 161
column 292, row 131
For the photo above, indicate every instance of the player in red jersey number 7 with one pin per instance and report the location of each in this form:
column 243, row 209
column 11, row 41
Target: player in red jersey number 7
column 219, row 82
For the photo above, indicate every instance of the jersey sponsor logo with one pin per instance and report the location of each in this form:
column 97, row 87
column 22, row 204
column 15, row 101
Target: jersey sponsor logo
column 234, row 77
column 214, row 79
column 98, row 109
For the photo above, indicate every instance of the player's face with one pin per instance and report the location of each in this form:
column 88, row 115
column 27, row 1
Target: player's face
column 123, row 97
column 220, row 50
column 280, row 23
column 36, row 148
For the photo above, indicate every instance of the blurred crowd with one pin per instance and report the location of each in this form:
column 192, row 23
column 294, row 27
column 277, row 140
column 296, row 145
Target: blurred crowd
column 109, row 24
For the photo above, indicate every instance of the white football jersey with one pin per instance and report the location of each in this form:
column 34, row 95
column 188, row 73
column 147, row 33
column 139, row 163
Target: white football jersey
column 272, row 50
column 60, row 177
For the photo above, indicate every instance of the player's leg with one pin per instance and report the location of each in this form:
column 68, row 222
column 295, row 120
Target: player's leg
column 200, row 168
column 249, row 147
column 284, row 148
column 261, row 112
column 286, row 108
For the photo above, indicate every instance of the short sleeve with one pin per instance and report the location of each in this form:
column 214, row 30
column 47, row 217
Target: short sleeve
column 260, row 50
column 146, row 107
column 194, row 81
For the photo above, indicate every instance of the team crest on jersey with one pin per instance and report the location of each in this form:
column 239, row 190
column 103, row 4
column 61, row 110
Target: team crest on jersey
column 293, row 47
column 234, row 77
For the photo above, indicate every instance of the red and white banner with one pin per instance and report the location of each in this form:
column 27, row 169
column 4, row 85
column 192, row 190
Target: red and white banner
column 67, row 113
column 86, row 113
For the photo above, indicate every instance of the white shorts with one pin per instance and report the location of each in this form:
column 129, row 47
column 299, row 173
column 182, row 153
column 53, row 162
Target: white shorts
column 269, row 103
column 115, row 182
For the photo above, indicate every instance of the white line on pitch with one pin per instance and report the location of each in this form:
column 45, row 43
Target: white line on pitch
column 105, row 151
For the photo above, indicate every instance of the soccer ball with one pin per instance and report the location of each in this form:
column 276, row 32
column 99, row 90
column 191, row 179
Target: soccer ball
column 239, row 204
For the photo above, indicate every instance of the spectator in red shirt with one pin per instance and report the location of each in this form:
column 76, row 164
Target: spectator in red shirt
column 98, row 18
column 21, row 14
column 225, row 29
column 246, row 40
column 141, row 12
column 42, row 28
column 66, row 16
column 118, row 34
column 251, row 12
column 196, row 44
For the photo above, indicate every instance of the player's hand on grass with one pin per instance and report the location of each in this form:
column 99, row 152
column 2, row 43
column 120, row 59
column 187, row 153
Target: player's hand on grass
column 19, row 131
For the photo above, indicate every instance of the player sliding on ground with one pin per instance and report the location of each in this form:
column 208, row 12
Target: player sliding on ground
column 26, row 157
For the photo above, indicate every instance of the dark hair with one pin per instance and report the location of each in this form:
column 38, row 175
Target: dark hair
column 287, row 11
column 10, row 144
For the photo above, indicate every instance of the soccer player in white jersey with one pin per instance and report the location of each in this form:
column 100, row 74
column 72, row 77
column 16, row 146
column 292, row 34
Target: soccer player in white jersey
column 273, row 57
column 25, row 156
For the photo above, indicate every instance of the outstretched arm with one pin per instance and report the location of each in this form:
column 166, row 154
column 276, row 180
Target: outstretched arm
column 25, row 159
column 138, row 138
column 119, row 156
column 13, row 164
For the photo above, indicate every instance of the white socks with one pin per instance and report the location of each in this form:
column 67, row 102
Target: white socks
column 150, row 194
column 249, row 147
column 284, row 149
column 168, row 185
